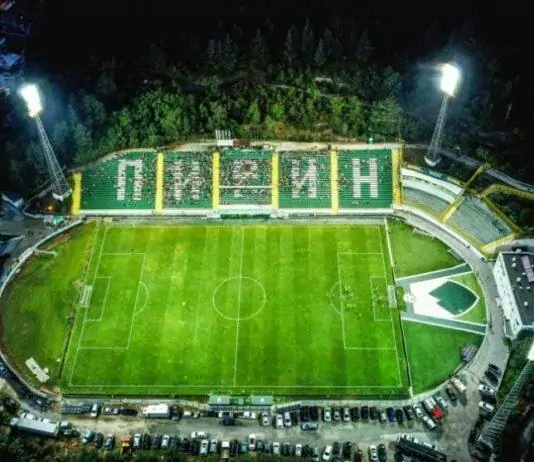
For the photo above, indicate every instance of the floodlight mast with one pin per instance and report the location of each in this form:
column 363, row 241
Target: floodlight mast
column 60, row 187
column 450, row 77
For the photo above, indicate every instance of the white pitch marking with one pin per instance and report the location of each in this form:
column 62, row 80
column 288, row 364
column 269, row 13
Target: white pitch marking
column 239, row 303
column 136, row 300
column 104, row 302
column 342, row 305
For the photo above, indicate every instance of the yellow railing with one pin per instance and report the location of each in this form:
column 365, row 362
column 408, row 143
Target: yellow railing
column 159, row 183
column 215, row 183
column 274, row 179
column 76, row 193
column 334, row 183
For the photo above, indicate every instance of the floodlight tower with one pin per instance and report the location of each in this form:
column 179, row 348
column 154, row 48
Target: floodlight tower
column 491, row 433
column 60, row 187
column 450, row 76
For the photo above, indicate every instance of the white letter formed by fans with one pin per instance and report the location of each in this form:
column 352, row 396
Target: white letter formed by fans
column 358, row 179
column 309, row 177
column 137, row 165
column 181, row 181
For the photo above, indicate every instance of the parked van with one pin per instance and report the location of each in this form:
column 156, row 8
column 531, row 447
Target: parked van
column 457, row 383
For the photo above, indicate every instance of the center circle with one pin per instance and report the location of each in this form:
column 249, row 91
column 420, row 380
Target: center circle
column 239, row 298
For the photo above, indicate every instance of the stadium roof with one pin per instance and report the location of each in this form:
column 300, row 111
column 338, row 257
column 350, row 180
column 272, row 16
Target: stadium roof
column 219, row 400
column 519, row 266
column 261, row 400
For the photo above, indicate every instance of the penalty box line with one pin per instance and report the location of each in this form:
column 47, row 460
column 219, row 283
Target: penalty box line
column 86, row 320
column 223, row 387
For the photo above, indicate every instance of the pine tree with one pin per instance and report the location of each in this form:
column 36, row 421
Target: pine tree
column 257, row 47
column 320, row 57
column 211, row 53
column 229, row 53
column 306, row 43
column 289, row 46
column 365, row 49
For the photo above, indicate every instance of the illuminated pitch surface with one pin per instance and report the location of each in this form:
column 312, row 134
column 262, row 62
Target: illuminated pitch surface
column 288, row 309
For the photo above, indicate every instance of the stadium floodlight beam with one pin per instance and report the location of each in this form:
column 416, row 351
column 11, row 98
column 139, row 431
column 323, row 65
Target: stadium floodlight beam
column 60, row 187
column 450, row 78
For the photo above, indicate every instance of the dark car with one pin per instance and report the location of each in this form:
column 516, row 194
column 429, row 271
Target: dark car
column 382, row 454
column 400, row 416
column 391, row 414
column 185, row 445
column 129, row 412
column 365, row 412
column 156, row 442
column 358, row 456
column 305, row 414
column 374, row 413
column 294, row 418
column 451, row 394
column 409, row 412
column 491, row 377
column 309, row 426
column 99, row 440
column 493, row 368
column 227, row 421
column 286, row 449
column 175, row 413
column 109, row 442
column 146, row 441
column 234, row 448
column 347, row 449
column 336, row 448
column 355, row 414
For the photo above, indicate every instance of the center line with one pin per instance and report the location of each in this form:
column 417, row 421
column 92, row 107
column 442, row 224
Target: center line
column 239, row 303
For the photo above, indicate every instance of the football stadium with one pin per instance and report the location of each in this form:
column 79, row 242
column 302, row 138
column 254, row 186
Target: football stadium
column 285, row 271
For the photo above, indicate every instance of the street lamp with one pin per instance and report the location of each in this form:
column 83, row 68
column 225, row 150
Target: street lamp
column 60, row 187
column 450, row 77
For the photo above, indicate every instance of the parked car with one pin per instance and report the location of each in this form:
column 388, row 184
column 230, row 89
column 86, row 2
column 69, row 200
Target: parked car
column 491, row 377
column 373, row 453
column 408, row 411
column 327, row 454
column 451, row 393
column 298, row 450
column 279, row 421
column 373, row 413
column 429, row 423
column 495, row 369
column 287, row 419
column 156, row 441
column 365, row 412
column 137, row 441
column 199, row 435
column 252, row 442
column 309, row 426
column 429, row 445
column 383, row 417
column 336, row 415
column 276, row 448
column 99, row 440
column 111, row 411
column 441, row 402
column 400, row 416
column 88, row 437
column 458, row 385
column 346, row 414
column 286, row 449
column 411, row 438
column 265, row 420
column 191, row 415
column 315, row 455
column 418, row 410
column 484, row 390
column 391, row 414
column 95, row 410
column 109, row 442
column 382, row 453
column 165, row 441
column 486, row 407
column 214, row 445
column 336, row 448
column 327, row 414
column 247, row 415
column 355, row 414
column 358, row 456
column 204, row 448
column 128, row 412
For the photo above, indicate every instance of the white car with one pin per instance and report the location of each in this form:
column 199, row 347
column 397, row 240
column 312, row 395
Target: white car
column 485, row 390
column 298, row 450
column 327, row 414
column 249, row 415
column 487, row 407
column 327, row 454
column 204, row 447
column 165, row 441
column 279, row 421
column 287, row 419
column 373, row 453
column 346, row 414
column 430, row 424
column 265, row 420
column 95, row 410
column 191, row 415
column 418, row 410
column 441, row 402
column 252, row 442
column 137, row 441
column 198, row 435
column 429, row 445
column 276, row 448
column 213, row 446
column 411, row 438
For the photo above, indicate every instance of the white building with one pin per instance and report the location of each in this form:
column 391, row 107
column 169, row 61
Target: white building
column 514, row 276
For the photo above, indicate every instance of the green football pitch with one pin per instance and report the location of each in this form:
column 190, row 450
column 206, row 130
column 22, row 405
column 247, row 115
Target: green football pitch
column 289, row 309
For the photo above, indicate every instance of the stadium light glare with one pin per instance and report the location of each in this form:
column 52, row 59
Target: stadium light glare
column 450, row 77
column 30, row 94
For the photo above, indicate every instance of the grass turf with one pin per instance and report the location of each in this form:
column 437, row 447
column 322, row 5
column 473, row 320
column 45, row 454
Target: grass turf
column 477, row 313
column 416, row 253
column 238, row 308
column 434, row 352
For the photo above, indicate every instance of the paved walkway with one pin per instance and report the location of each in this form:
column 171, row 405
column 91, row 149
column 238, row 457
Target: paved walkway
column 442, row 322
column 459, row 269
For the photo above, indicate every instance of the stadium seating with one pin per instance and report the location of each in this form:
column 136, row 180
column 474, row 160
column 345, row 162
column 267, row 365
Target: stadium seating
column 304, row 180
column 244, row 169
column 475, row 218
column 365, row 179
column 124, row 182
column 187, row 180
column 429, row 203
